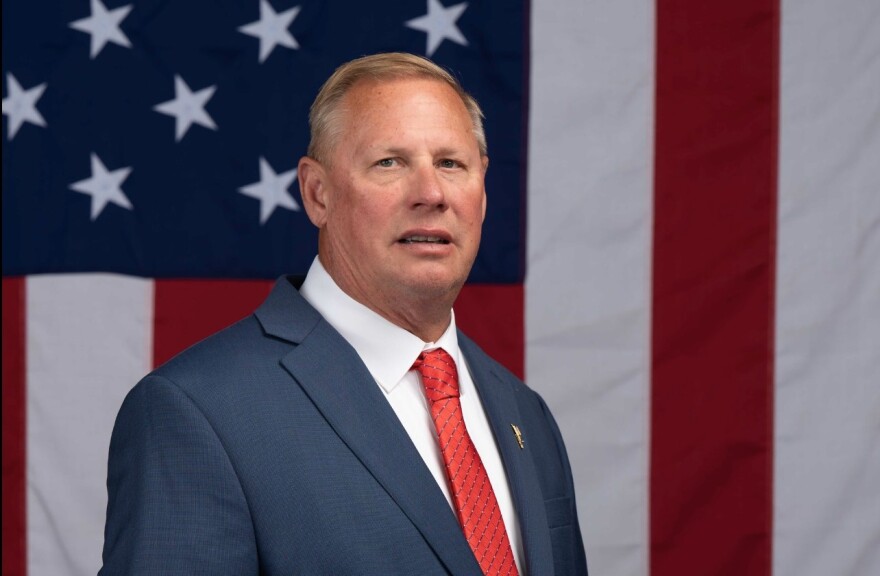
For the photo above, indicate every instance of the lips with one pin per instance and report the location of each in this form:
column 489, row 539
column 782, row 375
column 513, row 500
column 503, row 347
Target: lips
column 425, row 236
column 423, row 240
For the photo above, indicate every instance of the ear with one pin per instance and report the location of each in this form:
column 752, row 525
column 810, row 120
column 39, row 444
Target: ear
column 485, row 160
column 313, row 187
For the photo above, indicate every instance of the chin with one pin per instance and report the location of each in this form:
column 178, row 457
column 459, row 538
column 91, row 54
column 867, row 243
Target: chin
column 433, row 286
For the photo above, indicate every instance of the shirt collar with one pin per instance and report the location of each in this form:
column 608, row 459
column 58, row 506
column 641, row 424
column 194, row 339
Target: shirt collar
column 388, row 350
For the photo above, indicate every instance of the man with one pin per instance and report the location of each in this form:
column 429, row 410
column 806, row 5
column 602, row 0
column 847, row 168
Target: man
column 347, row 427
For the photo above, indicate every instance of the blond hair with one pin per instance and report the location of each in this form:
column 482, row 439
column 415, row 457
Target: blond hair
column 324, row 115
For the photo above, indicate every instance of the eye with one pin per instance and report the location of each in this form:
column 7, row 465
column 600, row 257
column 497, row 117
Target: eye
column 448, row 163
column 386, row 162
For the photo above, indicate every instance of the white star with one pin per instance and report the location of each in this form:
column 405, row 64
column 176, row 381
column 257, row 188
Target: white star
column 271, row 190
column 103, row 25
column 439, row 23
column 271, row 29
column 188, row 107
column 21, row 105
column 103, row 186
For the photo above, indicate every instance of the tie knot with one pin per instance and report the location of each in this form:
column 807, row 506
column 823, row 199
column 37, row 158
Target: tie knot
column 439, row 375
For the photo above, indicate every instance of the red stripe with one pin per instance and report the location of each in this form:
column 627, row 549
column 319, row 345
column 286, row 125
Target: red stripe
column 493, row 316
column 713, row 287
column 186, row 311
column 14, row 439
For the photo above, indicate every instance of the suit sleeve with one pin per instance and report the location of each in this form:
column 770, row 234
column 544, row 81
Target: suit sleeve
column 571, row 547
column 175, row 503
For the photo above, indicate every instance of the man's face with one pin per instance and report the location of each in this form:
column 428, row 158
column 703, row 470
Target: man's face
column 403, row 193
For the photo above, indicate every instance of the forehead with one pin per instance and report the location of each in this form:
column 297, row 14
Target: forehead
column 400, row 102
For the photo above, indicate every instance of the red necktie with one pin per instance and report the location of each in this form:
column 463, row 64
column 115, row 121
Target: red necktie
column 472, row 493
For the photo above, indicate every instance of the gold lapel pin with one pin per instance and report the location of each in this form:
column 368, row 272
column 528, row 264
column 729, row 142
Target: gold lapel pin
column 518, row 435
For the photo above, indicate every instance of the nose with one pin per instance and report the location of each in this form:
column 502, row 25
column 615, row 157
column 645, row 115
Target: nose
column 426, row 189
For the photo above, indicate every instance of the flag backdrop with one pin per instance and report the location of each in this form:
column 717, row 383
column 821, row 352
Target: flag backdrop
column 682, row 252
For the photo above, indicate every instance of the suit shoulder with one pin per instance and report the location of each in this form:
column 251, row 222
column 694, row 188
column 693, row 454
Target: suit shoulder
column 475, row 354
column 235, row 350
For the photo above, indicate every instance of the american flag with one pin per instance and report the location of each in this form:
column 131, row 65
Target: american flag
column 681, row 253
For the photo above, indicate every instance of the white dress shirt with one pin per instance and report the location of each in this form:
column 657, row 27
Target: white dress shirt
column 389, row 352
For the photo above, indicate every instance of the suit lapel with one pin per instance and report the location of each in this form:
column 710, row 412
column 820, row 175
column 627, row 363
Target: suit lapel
column 336, row 380
column 498, row 397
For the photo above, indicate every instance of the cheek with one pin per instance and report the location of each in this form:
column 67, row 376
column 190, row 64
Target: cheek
column 476, row 209
column 363, row 222
column 345, row 208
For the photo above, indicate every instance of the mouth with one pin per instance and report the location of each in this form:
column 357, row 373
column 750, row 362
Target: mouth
column 417, row 239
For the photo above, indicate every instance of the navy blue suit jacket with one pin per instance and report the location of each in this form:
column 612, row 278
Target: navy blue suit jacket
column 268, row 449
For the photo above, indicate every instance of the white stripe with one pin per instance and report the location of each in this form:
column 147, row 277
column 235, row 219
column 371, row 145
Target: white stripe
column 88, row 341
column 588, row 268
column 827, row 459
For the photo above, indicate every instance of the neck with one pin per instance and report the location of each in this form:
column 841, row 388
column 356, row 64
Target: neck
column 428, row 324
column 426, row 315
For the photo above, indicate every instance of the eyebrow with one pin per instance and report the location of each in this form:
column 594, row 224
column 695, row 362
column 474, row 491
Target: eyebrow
column 398, row 151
